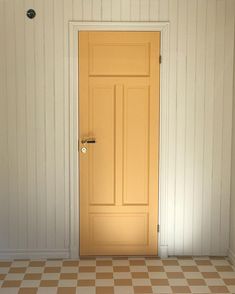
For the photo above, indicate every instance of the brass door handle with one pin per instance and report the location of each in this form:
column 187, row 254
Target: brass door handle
column 88, row 141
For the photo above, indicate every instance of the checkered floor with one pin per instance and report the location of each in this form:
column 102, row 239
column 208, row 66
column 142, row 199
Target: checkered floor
column 118, row 276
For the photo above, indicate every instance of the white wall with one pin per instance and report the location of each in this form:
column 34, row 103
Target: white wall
column 34, row 119
column 232, row 205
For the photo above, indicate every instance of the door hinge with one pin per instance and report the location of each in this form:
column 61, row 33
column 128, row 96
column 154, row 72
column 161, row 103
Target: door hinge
column 158, row 228
column 160, row 59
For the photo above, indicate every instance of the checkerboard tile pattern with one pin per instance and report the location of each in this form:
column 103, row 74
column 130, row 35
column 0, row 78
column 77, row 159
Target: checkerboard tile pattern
column 118, row 275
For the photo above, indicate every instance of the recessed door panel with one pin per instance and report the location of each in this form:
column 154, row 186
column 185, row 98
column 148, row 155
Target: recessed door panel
column 102, row 153
column 136, row 145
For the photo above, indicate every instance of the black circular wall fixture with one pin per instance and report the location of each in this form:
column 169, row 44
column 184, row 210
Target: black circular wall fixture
column 31, row 13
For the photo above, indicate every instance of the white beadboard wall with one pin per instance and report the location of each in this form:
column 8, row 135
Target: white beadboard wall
column 34, row 120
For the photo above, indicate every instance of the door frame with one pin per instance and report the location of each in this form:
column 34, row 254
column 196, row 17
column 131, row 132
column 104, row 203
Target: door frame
column 74, row 28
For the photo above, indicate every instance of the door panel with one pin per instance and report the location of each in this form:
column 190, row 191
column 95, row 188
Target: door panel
column 119, row 107
column 136, row 145
column 101, row 157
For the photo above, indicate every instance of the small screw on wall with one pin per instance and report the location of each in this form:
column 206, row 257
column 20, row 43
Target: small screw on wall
column 31, row 13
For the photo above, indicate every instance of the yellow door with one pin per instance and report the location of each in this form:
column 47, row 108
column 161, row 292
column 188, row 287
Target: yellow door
column 119, row 142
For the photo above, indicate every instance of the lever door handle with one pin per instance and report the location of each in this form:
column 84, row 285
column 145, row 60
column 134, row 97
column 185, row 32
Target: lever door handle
column 88, row 141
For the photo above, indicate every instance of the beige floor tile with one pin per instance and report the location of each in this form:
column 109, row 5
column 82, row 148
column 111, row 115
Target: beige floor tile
column 178, row 282
column 231, row 289
column 123, row 290
column 54, row 263
column 121, row 262
column 49, row 276
column 69, row 269
column 136, row 268
column 67, row 283
column 86, row 276
column 30, row 283
column 141, row 282
column 47, row 290
column 157, row 275
column 122, row 275
column 161, row 289
column 206, row 268
column 87, row 262
column 227, row 275
column 153, row 262
column 187, row 262
column 35, row 270
column 104, row 269
column 86, row 290
column 9, row 291
column 14, row 277
column 4, row 270
column 199, row 289
column 104, row 283
column 214, row 282
column 20, row 263
column 172, row 269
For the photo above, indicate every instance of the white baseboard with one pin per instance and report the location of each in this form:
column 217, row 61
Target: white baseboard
column 163, row 251
column 231, row 256
column 10, row 254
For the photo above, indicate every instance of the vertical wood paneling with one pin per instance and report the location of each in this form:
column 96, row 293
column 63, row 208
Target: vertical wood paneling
column 190, row 125
column 34, row 81
column 208, row 125
column 154, row 6
column 164, row 10
column 173, row 16
column 87, row 10
column 78, row 9
column 40, row 123
column 217, row 126
column 68, row 14
column 199, row 126
column 106, row 9
column 21, row 120
column 227, row 124
column 96, row 10
column 4, row 188
column 125, row 10
column 135, row 10
column 116, row 10
column 12, row 124
column 50, row 121
column 59, row 119
column 144, row 10
column 180, row 131
column 31, row 128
